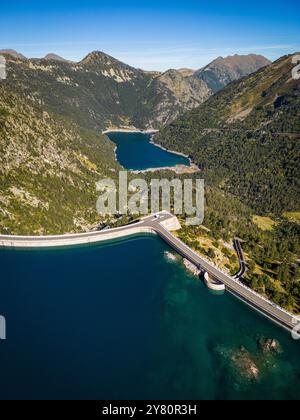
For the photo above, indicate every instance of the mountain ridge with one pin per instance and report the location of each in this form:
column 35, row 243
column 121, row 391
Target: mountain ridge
column 222, row 71
column 13, row 53
column 216, row 75
column 55, row 57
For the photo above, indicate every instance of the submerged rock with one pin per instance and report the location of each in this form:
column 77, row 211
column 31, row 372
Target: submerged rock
column 248, row 367
column 241, row 363
column 269, row 346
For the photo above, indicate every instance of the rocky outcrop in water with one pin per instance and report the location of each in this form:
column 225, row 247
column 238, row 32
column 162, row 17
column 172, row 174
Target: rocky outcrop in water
column 241, row 363
column 269, row 346
column 250, row 366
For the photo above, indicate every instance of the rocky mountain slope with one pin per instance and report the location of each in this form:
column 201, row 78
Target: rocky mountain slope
column 48, row 169
column 187, row 92
column 246, row 138
column 223, row 71
column 13, row 53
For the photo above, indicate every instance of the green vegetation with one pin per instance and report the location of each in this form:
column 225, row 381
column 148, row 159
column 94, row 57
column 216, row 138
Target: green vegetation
column 272, row 256
column 246, row 141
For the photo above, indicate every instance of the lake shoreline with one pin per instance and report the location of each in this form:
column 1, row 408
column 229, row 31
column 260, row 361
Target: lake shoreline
column 193, row 167
column 178, row 169
column 171, row 151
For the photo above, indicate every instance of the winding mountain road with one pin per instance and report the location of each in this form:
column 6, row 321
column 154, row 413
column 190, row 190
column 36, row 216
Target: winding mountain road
column 243, row 265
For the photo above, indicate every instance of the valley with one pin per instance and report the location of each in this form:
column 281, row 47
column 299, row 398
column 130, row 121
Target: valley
column 244, row 139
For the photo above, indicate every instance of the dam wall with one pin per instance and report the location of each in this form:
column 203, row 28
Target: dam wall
column 71, row 240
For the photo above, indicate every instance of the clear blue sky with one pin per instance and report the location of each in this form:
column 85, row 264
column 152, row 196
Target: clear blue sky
column 156, row 34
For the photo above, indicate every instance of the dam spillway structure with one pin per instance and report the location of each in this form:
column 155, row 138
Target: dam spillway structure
column 213, row 284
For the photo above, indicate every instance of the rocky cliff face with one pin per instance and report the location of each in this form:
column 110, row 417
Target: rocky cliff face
column 223, row 71
column 188, row 90
column 171, row 92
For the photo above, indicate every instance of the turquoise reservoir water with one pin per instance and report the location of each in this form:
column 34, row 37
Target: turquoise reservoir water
column 135, row 152
column 123, row 322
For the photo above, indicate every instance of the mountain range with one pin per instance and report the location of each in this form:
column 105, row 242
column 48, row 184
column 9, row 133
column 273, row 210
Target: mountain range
column 103, row 91
column 100, row 91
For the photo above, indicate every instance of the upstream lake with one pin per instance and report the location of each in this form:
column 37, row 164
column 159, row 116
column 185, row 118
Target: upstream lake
column 136, row 152
column 122, row 321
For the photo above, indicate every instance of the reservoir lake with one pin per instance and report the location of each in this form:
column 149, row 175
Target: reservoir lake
column 136, row 152
column 123, row 321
